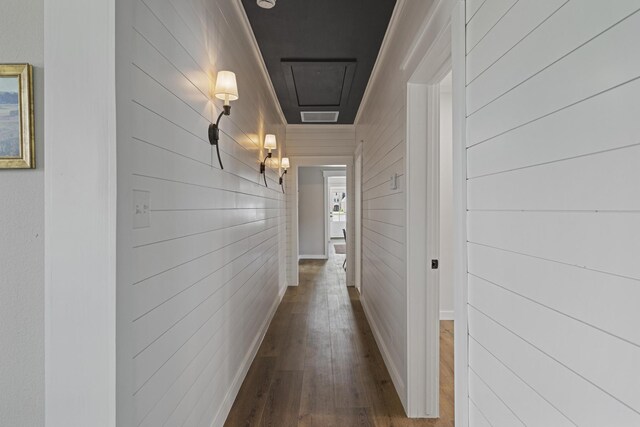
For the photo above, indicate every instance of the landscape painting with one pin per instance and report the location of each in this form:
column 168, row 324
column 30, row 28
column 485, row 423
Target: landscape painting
column 10, row 117
column 17, row 141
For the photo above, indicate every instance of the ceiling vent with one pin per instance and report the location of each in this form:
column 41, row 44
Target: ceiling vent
column 266, row 4
column 319, row 116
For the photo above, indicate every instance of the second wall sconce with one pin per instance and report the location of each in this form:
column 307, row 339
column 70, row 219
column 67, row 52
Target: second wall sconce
column 284, row 164
column 269, row 144
column 227, row 90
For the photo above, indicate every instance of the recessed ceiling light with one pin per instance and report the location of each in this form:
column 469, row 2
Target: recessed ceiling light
column 266, row 4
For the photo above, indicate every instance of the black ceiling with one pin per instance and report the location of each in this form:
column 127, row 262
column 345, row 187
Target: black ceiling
column 320, row 53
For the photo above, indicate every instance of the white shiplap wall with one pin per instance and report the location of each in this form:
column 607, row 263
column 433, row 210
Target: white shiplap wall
column 321, row 140
column 196, row 288
column 381, row 125
column 553, row 196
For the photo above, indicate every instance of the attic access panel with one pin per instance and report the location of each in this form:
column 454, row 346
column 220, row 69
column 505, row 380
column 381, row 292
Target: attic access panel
column 319, row 85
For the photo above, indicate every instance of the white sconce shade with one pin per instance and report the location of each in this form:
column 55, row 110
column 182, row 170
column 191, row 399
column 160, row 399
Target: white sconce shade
column 270, row 142
column 284, row 163
column 226, row 87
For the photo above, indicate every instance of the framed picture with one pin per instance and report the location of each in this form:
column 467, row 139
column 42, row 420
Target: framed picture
column 16, row 117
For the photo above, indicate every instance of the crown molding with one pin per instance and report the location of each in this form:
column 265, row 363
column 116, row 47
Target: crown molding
column 435, row 14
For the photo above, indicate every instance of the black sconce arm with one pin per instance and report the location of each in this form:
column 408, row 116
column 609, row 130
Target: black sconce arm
column 282, row 180
column 263, row 168
column 214, row 131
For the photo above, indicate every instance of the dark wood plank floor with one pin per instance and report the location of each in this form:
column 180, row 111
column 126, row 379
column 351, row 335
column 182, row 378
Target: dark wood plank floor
column 319, row 364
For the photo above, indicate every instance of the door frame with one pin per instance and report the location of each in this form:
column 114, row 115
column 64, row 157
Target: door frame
column 447, row 52
column 327, row 224
column 292, row 207
column 357, row 207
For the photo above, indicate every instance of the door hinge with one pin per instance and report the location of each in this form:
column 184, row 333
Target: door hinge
column 434, row 264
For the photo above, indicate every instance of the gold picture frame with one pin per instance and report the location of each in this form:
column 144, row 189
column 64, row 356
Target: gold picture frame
column 17, row 142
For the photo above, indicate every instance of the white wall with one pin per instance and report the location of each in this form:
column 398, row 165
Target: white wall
column 311, row 212
column 382, row 125
column 553, row 230
column 446, row 201
column 321, row 140
column 197, row 288
column 22, row 237
column 80, row 214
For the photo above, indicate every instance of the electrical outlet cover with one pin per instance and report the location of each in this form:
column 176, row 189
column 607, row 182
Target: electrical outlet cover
column 393, row 182
column 141, row 209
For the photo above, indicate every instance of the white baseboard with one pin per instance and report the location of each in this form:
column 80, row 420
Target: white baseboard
column 313, row 257
column 446, row 315
column 231, row 395
column 396, row 378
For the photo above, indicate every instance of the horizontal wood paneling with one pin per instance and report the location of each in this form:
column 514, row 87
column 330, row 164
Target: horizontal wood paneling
column 587, row 19
column 553, row 214
column 578, row 399
column 485, row 19
column 530, row 406
column 516, row 25
column 382, row 127
column 477, row 418
column 324, row 140
column 495, row 410
column 581, row 184
column 558, row 86
column 472, row 7
column 605, row 122
column 205, row 277
column 581, row 239
column 539, row 280
column 393, row 261
column 574, row 344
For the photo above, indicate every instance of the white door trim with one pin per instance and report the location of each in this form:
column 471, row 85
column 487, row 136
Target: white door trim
column 461, row 352
column 325, row 193
column 357, row 207
column 421, row 403
column 446, row 52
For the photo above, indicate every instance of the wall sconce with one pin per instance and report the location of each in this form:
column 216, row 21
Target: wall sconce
column 227, row 90
column 269, row 144
column 284, row 164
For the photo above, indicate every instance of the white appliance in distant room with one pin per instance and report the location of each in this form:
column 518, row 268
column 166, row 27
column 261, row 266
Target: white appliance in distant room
column 337, row 211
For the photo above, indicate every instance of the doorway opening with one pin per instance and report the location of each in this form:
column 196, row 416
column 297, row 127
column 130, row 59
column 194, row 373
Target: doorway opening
column 309, row 213
column 336, row 215
column 436, row 230
column 322, row 213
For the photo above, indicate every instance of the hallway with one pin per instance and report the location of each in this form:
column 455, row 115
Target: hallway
column 319, row 364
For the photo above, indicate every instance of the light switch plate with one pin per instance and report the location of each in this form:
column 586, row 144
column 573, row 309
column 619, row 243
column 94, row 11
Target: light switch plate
column 141, row 209
column 393, row 182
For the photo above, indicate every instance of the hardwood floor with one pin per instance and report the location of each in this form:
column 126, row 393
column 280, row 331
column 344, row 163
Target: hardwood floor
column 319, row 364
